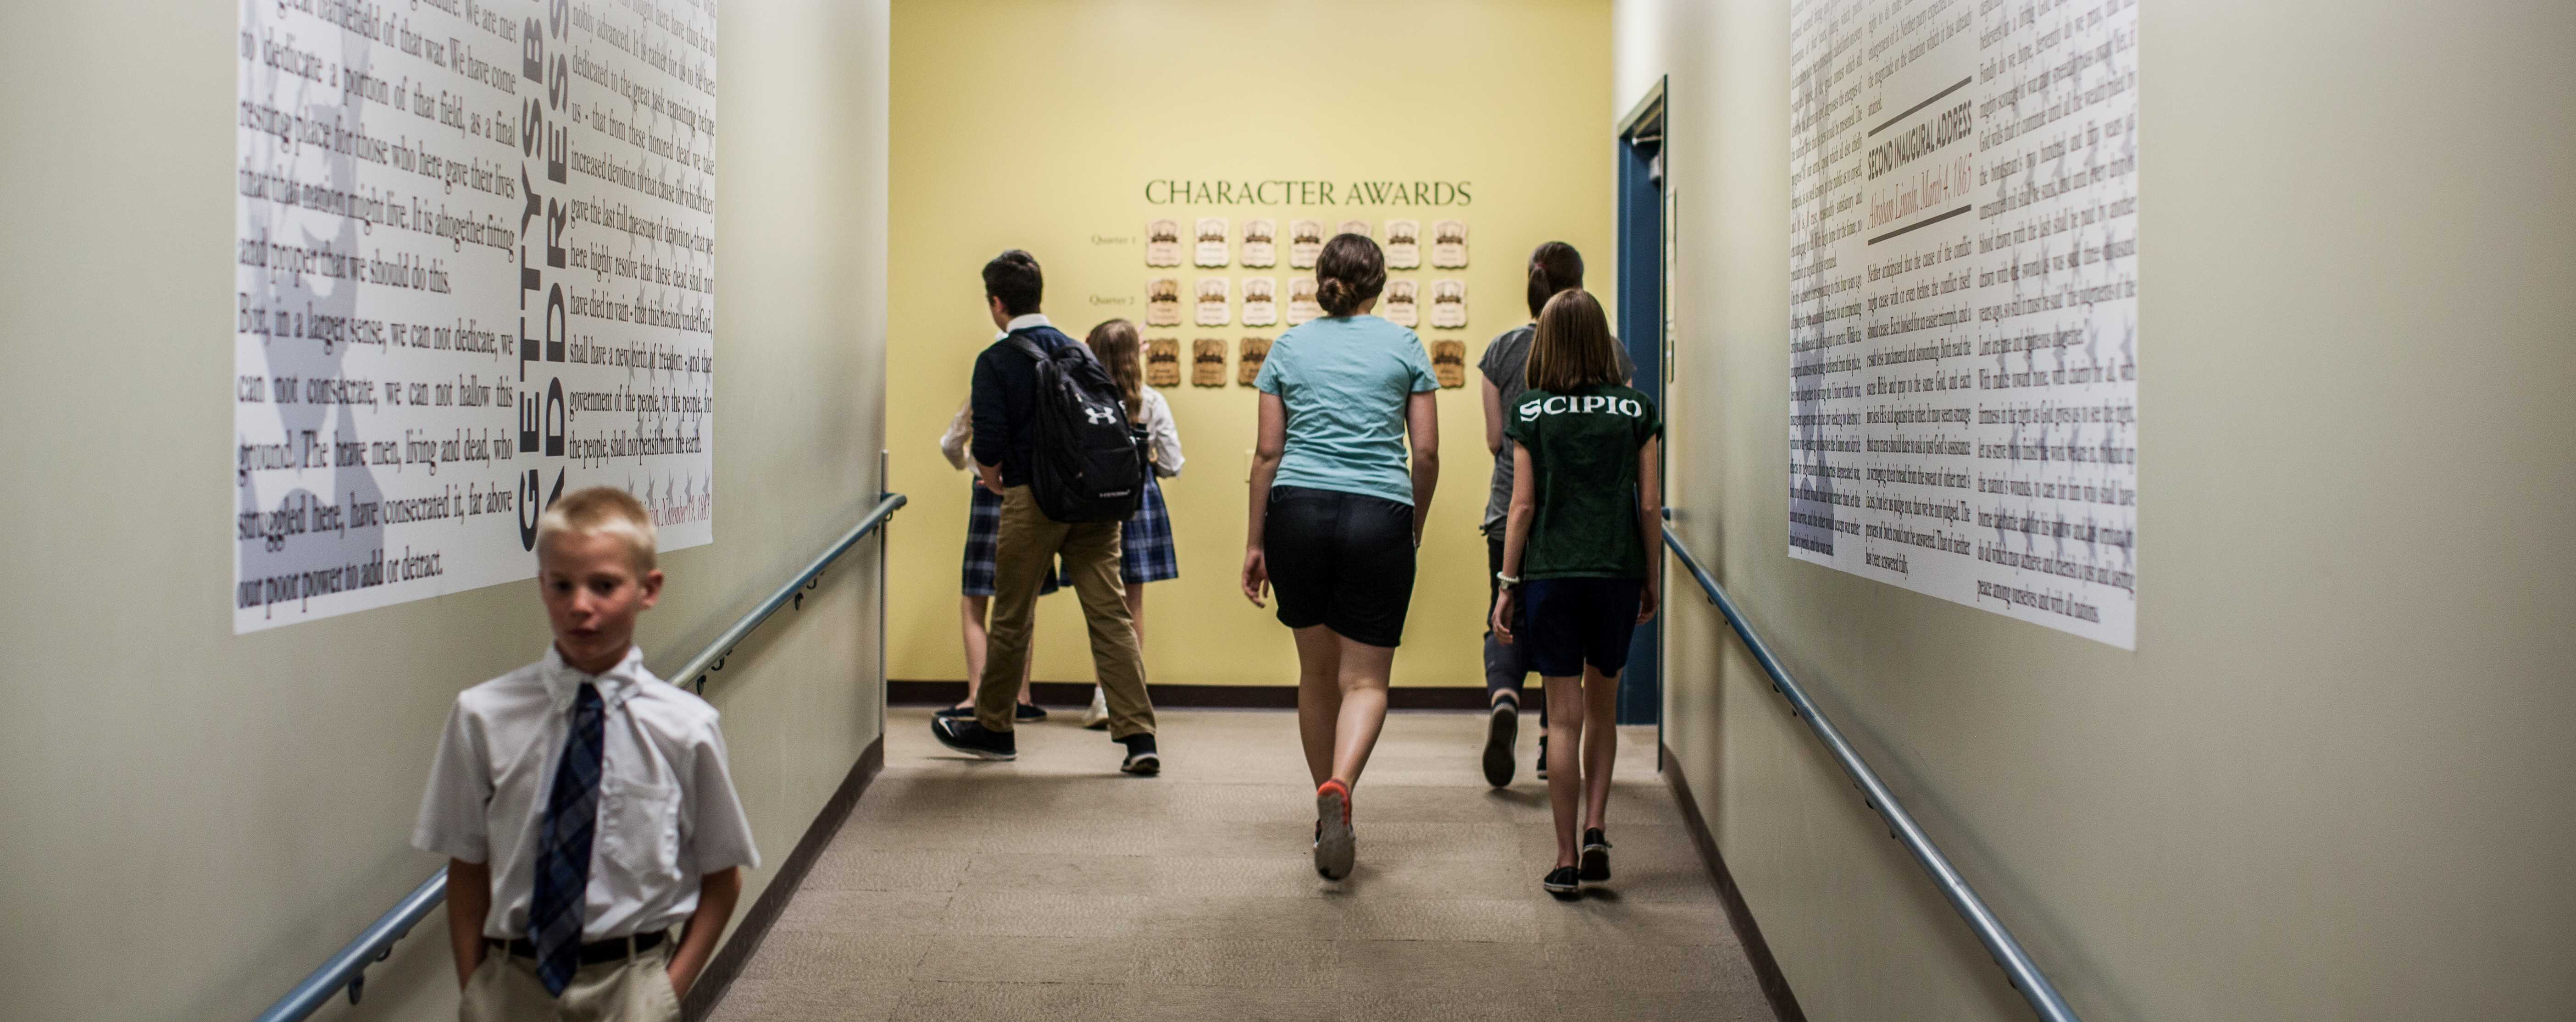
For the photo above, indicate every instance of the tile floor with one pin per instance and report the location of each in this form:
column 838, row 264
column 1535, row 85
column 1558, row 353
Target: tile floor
column 1055, row 888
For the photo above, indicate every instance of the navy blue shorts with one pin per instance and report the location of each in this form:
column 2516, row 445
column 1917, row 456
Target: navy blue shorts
column 1570, row 622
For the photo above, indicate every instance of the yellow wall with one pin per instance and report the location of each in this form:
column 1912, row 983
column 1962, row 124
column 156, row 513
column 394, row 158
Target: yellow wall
column 1036, row 125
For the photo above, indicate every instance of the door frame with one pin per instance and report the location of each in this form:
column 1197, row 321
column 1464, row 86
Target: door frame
column 1644, row 223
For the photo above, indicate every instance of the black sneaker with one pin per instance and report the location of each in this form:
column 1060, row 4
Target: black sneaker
column 1028, row 713
column 970, row 738
column 1596, row 855
column 1542, row 757
column 1562, row 882
column 1141, row 757
column 1502, row 730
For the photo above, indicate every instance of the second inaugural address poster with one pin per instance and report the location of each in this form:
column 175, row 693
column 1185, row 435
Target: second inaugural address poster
column 1963, row 281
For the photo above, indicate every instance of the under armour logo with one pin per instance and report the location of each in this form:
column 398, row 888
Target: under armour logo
column 1099, row 415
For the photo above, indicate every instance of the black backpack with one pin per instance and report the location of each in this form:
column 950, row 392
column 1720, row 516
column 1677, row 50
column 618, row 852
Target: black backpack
column 1088, row 461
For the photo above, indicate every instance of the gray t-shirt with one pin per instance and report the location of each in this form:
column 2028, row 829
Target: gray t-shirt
column 1506, row 362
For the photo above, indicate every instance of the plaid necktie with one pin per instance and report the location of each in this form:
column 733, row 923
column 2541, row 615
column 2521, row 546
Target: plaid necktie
column 563, row 847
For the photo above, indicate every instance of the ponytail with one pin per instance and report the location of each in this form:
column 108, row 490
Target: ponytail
column 1554, row 267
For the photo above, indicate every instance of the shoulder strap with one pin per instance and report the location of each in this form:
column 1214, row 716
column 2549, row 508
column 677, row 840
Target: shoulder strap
column 1028, row 346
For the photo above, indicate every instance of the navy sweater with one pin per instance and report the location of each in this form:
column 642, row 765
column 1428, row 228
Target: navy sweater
column 1005, row 402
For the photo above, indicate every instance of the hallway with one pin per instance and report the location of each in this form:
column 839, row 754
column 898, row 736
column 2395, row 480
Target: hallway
column 1054, row 888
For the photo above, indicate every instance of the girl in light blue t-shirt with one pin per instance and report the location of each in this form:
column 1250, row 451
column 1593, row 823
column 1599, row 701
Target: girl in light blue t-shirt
column 1337, row 510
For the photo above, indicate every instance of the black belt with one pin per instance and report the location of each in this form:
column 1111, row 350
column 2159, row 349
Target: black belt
column 597, row 951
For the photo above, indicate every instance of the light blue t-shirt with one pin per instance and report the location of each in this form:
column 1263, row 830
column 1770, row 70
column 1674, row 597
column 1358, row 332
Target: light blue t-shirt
column 1345, row 382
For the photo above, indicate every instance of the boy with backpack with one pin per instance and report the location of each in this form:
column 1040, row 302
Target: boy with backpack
column 1052, row 437
column 1580, row 558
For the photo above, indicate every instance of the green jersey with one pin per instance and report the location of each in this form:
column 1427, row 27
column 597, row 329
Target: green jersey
column 1583, row 471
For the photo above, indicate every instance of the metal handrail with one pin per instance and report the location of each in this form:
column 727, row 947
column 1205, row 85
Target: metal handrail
column 712, row 658
column 347, row 969
column 2018, row 968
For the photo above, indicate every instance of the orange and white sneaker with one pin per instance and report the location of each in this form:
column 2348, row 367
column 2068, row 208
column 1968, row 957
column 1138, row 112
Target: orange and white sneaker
column 1335, row 844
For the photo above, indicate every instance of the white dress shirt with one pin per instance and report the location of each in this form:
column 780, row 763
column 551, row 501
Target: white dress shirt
column 667, row 810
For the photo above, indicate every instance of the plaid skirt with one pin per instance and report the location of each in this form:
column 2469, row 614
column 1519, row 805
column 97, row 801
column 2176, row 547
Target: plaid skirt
column 1145, row 551
column 1145, row 543
column 983, row 536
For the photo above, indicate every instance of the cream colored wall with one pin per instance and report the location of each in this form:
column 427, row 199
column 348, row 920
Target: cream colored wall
column 193, row 820
column 1021, row 123
column 2332, row 781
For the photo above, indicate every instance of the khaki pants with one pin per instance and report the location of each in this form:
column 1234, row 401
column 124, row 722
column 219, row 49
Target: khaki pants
column 1029, row 544
column 505, row 989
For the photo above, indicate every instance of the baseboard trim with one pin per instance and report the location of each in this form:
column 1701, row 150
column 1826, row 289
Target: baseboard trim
column 729, row 960
column 1766, row 969
column 1077, row 694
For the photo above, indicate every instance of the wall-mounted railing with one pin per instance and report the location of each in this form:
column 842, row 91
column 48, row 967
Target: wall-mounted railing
column 2018, row 968
column 347, row 969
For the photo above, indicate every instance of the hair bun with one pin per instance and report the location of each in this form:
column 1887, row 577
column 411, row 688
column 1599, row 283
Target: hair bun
column 1332, row 291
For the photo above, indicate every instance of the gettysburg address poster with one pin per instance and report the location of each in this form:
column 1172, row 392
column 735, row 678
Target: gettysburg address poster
column 474, row 269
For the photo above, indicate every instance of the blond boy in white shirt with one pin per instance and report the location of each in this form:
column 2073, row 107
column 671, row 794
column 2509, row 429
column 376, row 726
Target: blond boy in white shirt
column 583, row 804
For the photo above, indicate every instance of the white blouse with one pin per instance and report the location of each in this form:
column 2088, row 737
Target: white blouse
column 1163, row 439
column 961, row 431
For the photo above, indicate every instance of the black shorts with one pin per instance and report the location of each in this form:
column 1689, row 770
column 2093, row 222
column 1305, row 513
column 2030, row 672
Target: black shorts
column 1341, row 560
column 1569, row 622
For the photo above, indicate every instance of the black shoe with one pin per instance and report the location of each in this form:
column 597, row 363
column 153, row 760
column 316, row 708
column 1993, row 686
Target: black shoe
column 1027, row 713
column 1542, row 757
column 1502, row 731
column 1141, row 757
column 1562, row 882
column 970, row 738
column 1596, row 855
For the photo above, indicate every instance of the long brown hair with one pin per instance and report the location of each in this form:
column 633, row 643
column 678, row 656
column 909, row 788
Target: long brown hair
column 1114, row 342
column 1574, row 348
column 1350, row 271
column 1553, row 267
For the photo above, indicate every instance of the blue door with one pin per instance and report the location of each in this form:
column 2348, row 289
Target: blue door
column 1641, row 327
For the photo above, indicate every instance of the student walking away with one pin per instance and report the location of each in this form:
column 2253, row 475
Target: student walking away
column 583, row 803
column 983, row 527
column 1579, row 558
column 1145, row 547
column 1553, row 267
column 1336, row 514
column 1052, row 439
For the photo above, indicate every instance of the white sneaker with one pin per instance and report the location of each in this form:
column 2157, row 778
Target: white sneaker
column 1097, row 717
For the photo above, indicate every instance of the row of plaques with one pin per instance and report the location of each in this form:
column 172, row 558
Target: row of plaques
column 1400, row 303
column 1207, row 361
column 1402, row 241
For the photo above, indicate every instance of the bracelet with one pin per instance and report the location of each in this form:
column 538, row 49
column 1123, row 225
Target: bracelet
column 1509, row 580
